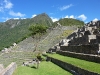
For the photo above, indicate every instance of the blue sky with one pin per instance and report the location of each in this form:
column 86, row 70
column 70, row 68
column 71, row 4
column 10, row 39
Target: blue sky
column 85, row 10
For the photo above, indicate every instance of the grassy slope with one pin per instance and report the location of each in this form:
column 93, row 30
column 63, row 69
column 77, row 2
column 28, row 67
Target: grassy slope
column 16, row 30
column 91, row 66
column 24, row 49
column 10, row 35
column 45, row 68
column 54, row 37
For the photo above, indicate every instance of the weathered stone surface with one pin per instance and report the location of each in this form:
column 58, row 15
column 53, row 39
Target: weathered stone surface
column 9, row 70
column 1, row 67
column 87, row 49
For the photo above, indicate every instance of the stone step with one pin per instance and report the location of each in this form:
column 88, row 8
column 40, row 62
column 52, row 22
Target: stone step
column 88, row 57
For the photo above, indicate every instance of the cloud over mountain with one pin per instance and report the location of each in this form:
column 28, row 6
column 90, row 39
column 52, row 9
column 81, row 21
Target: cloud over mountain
column 12, row 13
column 65, row 7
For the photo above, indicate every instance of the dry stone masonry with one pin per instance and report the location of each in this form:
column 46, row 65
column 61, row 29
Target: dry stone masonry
column 8, row 70
column 83, row 40
column 84, row 43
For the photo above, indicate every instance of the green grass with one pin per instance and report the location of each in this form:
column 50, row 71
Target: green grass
column 45, row 68
column 90, row 66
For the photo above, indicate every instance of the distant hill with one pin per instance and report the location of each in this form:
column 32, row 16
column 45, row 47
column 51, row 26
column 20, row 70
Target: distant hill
column 69, row 22
column 15, row 30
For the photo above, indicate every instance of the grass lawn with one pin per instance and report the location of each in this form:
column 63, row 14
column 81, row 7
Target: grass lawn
column 90, row 66
column 45, row 68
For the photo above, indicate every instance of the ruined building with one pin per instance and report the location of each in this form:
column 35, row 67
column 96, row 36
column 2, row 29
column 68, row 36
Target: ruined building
column 83, row 40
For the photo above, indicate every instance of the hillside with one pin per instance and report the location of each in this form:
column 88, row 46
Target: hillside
column 70, row 22
column 24, row 50
column 15, row 30
column 42, row 19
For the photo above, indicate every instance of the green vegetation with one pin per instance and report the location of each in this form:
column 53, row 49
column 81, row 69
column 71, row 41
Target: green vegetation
column 18, row 57
column 54, row 37
column 46, row 68
column 42, row 19
column 16, row 30
column 24, row 49
column 37, row 32
column 69, row 22
column 38, row 29
column 91, row 66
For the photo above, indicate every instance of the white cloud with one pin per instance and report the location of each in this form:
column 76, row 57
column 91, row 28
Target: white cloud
column 8, row 4
column 33, row 16
column 15, row 18
column 23, row 18
column 95, row 19
column 65, row 7
column 82, row 17
column 18, row 18
column 12, row 13
column 67, row 16
column 5, row 5
column 72, row 16
column 54, row 19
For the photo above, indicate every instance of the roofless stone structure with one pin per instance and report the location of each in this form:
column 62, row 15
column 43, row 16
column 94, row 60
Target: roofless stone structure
column 83, row 40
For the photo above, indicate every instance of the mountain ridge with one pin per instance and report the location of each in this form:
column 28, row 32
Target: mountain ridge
column 15, row 30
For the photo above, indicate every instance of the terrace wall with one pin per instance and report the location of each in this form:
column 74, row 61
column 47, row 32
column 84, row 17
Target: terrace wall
column 71, row 68
column 87, row 49
column 88, row 57
column 9, row 70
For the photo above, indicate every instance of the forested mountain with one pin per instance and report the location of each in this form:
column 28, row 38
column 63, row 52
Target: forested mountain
column 15, row 30
column 42, row 19
column 69, row 22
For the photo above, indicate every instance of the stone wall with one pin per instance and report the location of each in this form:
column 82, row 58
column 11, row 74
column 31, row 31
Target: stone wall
column 71, row 68
column 87, row 49
column 1, row 67
column 93, row 58
column 9, row 70
column 79, row 40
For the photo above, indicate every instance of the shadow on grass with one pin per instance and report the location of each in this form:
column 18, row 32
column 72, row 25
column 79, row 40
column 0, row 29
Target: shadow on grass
column 33, row 67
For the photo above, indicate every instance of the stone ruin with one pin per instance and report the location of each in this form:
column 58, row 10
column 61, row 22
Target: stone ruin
column 83, row 40
column 8, row 70
column 84, row 43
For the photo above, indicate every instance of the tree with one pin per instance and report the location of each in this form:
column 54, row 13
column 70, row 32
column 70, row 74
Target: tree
column 37, row 32
column 37, row 29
